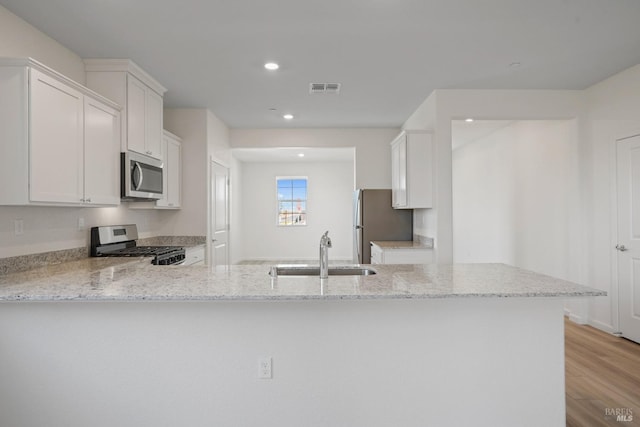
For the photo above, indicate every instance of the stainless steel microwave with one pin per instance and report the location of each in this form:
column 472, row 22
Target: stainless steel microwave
column 141, row 177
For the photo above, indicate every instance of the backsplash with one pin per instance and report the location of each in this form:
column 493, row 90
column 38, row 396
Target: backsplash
column 51, row 229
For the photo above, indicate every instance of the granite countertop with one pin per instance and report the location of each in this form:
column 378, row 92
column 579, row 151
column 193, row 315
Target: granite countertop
column 401, row 244
column 124, row 279
column 184, row 241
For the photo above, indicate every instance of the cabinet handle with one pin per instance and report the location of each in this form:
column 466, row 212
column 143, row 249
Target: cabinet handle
column 82, row 200
column 88, row 200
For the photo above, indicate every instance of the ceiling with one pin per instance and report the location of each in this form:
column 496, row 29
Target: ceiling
column 291, row 154
column 388, row 55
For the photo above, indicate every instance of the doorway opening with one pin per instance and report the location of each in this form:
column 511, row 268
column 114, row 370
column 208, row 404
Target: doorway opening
column 259, row 202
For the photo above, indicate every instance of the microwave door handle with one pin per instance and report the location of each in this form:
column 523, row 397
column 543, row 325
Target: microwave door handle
column 136, row 186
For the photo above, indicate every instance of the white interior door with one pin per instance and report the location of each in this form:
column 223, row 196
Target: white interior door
column 219, row 216
column 628, row 153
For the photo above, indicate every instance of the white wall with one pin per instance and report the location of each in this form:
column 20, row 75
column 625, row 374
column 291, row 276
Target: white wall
column 20, row 39
column 516, row 196
column 375, row 363
column 329, row 206
column 47, row 228
column 613, row 113
column 373, row 154
column 190, row 124
column 236, row 190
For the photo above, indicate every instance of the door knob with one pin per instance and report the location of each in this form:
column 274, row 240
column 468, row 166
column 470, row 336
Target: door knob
column 621, row 248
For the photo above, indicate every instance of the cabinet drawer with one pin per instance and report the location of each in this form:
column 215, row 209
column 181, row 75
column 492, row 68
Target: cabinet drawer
column 408, row 256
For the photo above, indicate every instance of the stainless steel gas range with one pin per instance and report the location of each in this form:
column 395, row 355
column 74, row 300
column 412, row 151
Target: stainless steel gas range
column 120, row 241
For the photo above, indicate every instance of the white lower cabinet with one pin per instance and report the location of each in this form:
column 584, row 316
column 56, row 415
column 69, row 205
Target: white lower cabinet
column 397, row 254
column 194, row 255
column 59, row 142
column 171, row 172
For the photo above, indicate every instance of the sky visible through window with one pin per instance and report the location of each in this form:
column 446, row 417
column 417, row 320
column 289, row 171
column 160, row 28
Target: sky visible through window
column 292, row 201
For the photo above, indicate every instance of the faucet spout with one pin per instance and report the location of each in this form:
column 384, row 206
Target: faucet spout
column 325, row 244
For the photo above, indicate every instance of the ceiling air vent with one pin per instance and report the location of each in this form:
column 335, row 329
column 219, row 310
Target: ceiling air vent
column 315, row 88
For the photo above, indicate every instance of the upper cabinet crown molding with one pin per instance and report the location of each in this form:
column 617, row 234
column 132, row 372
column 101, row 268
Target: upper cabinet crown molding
column 36, row 65
column 123, row 65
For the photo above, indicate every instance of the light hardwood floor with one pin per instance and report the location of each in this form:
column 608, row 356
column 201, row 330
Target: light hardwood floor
column 602, row 378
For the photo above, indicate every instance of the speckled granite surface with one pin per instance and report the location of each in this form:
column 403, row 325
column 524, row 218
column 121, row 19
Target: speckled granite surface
column 401, row 244
column 117, row 279
column 27, row 262
column 185, row 241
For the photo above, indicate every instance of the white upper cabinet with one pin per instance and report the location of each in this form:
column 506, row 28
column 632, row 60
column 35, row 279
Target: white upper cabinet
column 412, row 170
column 59, row 142
column 56, row 167
column 101, row 153
column 171, row 173
column 141, row 97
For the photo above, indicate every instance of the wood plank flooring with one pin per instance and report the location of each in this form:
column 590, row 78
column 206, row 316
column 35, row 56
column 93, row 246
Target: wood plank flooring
column 602, row 378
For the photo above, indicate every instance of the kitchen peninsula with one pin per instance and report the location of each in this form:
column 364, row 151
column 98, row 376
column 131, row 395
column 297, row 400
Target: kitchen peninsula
column 102, row 342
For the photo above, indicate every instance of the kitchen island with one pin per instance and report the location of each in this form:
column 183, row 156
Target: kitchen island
column 102, row 342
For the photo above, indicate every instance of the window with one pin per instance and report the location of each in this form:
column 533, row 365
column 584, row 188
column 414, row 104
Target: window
column 292, row 200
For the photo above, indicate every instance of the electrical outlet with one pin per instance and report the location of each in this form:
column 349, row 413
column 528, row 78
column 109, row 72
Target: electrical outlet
column 18, row 227
column 80, row 223
column 264, row 368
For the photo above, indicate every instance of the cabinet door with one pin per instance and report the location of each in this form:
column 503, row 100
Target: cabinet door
column 399, row 172
column 153, row 130
column 136, row 115
column 173, row 162
column 56, row 141
column 171, row 174
column 102, row 153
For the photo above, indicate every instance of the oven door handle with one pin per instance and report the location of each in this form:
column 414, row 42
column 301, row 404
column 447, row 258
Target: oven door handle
column 136, row 185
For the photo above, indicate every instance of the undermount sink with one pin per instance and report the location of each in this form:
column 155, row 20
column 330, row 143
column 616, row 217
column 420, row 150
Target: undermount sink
column 310, row 270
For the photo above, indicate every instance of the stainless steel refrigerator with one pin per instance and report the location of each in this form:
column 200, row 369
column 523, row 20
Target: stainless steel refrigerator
column 375, row 219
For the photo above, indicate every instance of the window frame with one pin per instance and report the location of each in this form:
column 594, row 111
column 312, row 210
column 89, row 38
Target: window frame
column 305, row 200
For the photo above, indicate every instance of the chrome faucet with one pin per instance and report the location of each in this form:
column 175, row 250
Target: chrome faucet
column 325, row 244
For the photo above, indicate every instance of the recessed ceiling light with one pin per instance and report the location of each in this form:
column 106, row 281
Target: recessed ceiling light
column 288, row 116
column 271, row 66
column 469, row 120
column 300, row 154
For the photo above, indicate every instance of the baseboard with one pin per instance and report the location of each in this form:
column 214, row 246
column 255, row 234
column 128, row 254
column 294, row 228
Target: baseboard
column 604, row 327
